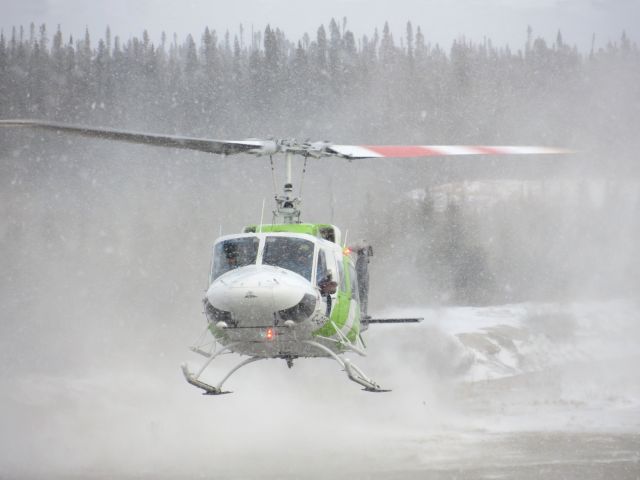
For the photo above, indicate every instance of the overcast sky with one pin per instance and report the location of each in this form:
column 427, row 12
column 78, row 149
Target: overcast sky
column 504, row 21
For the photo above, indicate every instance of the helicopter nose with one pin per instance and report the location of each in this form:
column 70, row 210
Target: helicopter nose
column 254, row 293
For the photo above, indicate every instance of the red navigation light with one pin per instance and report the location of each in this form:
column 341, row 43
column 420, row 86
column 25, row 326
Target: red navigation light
column 269, row 334
column 346, row 251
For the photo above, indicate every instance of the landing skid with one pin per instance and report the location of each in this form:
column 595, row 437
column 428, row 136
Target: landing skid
column 211, row 354
column 353, row 371
column 209, row 389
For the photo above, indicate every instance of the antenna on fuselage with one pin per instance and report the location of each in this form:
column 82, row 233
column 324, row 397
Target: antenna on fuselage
column 261, row 217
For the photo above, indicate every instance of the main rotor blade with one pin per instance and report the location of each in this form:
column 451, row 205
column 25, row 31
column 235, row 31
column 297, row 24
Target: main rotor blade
column 266, row 147
column 356, row 152
column 224, row 147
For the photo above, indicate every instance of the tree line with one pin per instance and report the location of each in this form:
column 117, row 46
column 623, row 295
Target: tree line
column 388, row 87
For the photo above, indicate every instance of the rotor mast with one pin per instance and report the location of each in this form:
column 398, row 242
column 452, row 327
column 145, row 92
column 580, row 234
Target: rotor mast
column 287, row 206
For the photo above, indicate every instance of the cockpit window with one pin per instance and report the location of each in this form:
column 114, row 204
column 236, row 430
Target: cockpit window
column 295, row 254
column 234, row 253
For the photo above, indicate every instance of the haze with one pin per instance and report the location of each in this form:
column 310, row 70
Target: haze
column 525, row 269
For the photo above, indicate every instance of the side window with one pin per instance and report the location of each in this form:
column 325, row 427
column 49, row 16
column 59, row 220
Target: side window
column 321, row 267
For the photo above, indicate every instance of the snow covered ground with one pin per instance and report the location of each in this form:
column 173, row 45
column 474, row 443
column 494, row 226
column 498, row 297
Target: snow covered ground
column 514, row 391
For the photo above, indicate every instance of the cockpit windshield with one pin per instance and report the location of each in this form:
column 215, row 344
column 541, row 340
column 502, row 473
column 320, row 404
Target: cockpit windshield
column 234, row 253
column 295, row 254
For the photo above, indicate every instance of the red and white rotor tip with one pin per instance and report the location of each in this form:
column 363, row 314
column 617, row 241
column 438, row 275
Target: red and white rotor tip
column 410, row 151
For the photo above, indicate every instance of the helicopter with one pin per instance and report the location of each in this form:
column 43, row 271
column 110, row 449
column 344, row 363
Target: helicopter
column 285, row 289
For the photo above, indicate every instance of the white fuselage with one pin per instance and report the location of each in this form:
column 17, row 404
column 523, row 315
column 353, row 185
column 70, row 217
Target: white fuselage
column 266, row 310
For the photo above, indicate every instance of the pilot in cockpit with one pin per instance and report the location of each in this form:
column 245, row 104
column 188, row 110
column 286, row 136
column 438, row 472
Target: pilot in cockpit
column 303, row 260
column 231, row 257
